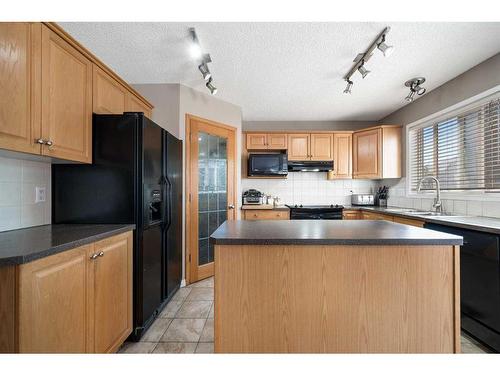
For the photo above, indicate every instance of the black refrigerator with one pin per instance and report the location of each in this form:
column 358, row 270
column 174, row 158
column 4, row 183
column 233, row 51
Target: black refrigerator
column 135, row 177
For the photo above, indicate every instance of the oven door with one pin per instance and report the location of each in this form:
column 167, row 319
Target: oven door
column 267, row 165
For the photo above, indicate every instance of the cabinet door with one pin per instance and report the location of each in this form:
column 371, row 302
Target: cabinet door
column 133, row 104
column 375, row 216
column 53, row 304
column 257, row 141
column 351, row 215
column 276, row 141
column 298, row 147
column 321, row 147
column 66, row 99
column 108, row 95
column 19, row 82
column 367, row 154
column 342, row 151
column 110, row 275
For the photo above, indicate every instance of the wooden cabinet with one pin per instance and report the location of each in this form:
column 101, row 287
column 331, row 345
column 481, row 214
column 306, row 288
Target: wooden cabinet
column 375, row 216
column 108, row 94
column 342, row 156
column 377, row 152
column 76, row 301
column 53, row 85
column 266, row 215
column 351, row 215
column 414, row 222
column 111, row 292
column 264, row 141
column 321, row 146
column 53, row 304
column 299, row 147
column 134, row 104
column 19, row 80
column 66, row 100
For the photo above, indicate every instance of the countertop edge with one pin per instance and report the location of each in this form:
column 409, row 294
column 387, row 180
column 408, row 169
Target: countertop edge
column 333, row 242
column 23, row 259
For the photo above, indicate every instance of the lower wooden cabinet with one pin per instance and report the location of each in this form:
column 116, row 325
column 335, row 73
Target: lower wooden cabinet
column 351, row 215
column 414, row 222
column 266, row 215
column 77, row 301
column 375, row 216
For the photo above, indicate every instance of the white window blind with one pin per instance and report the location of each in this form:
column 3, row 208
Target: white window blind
column 462, row 151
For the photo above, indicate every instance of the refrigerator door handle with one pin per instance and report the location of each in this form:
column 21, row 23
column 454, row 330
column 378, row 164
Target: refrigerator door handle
column 169, row 201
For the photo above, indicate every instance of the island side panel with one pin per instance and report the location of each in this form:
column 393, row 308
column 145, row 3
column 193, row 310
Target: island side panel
column 336, row 299
column 456, row 269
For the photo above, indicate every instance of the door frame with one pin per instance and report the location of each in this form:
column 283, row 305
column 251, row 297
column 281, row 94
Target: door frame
column 188, row 230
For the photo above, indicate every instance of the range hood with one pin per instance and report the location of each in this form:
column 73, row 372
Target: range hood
column 310, row 166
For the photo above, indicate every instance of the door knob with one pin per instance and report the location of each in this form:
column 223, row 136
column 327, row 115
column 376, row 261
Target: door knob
column 231, row 206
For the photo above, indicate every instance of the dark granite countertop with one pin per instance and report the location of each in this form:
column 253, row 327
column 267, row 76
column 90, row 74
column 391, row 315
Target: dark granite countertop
column 479, row 223
column 28, row 244
column 327, row 232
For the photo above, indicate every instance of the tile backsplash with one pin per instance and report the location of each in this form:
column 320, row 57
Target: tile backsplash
column 458, row 206
column 310, row 188
column 18, row 180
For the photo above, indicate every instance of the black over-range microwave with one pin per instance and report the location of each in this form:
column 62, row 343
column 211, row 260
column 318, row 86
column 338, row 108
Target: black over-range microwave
column 267, row 165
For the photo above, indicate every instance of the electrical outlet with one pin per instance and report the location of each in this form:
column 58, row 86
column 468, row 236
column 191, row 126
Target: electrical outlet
column 39, row 194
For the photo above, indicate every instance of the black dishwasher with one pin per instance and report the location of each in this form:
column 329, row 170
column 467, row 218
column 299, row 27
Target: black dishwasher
column 479, row 283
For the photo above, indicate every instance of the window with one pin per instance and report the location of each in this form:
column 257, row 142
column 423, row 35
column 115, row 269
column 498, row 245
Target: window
column 462, row 151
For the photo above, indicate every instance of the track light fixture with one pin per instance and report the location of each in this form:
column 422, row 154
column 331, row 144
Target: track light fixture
column 415, row 88
column 197, row 53
column 211, row 87
column 349, row 87
column 362, row 58
column 362, row 70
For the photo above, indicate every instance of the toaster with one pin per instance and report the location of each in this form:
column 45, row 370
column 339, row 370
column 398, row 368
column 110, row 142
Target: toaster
column 362, row 199
column 253, row 196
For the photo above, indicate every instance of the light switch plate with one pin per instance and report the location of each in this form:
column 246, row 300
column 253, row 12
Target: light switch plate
column 39, row 194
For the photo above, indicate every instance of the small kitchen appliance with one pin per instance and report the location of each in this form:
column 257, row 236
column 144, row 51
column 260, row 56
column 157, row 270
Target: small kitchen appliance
column 362, row 199
column 253, row 196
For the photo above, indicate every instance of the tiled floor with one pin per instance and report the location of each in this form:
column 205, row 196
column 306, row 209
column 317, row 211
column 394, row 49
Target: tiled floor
column 186, row 325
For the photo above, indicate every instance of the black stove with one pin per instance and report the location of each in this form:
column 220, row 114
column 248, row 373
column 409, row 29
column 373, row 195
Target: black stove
column 326, row 212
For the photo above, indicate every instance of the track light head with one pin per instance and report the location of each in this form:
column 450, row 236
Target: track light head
column 195, row 48
column 362, row 70
column 409, row 98
column 203, row 68
column 349, row 86
column 415, row 88
column 211, row 87
column 384, row 48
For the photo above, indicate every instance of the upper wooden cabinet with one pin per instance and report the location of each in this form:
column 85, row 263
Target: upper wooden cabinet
column 377, row 152
column 108, row 94
column 66, row 100
column 134, row 104
column 342, row 155
column 265, row 141
column 299, row 146
column 19, row 81
column 321, row 146
column 53, row 86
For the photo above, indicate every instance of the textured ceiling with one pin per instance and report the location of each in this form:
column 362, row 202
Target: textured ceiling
column 293, row 71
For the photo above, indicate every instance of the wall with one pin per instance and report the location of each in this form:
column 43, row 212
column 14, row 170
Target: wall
column 310, row 188
column 305, row 125
column 18, row 179
column 172, row 102
column 480, row 78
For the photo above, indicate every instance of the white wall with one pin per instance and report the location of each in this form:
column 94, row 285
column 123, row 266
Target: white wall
column 310, row 188
column 18, row 179
column 172, row 102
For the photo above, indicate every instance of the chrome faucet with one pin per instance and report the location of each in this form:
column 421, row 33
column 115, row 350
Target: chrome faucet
column 438, row 205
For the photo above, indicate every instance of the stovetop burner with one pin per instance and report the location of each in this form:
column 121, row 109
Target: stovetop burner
column 319, row 207
column 324, row 212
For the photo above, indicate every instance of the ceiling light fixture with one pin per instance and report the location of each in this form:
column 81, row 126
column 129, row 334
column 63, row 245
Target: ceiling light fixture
column 362, row 70
column 362, row 58
column 195, row 47
column 415, row 88
column 349, row 87
column 211, row 87
column 203, row 68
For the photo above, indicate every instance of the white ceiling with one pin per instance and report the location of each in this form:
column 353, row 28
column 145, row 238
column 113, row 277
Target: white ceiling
column 293, row 71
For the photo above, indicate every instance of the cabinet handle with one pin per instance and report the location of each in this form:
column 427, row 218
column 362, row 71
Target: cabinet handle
column 49, row 143
column 101, row 254
column 94, row 256
column 40, row 141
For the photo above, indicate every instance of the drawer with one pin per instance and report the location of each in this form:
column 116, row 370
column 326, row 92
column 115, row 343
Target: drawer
column 415, row 223
column 375, row 216
column 351, row 215
column 266, row 215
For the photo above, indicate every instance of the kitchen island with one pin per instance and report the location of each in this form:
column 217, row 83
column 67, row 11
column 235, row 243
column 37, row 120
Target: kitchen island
column 307, row 286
